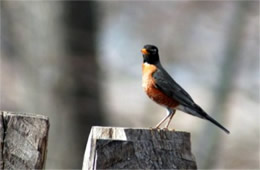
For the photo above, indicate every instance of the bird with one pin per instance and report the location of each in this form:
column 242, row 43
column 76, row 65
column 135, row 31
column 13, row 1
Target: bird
column 165, row 91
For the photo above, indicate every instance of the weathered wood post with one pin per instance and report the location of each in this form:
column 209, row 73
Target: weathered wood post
column 128, row 148
column 23, row 140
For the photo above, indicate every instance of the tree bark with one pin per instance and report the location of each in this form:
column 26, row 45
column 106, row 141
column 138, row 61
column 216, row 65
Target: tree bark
column 23, row 140
column 120, row 148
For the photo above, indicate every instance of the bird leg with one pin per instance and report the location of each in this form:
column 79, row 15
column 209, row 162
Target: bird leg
column 161, row 122
column 169, row 121
column 169, row 113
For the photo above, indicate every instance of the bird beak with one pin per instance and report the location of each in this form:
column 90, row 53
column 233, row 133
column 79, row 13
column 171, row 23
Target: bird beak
column 144, row 51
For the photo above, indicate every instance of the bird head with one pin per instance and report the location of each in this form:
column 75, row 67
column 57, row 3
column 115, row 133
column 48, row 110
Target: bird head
column 150, row 54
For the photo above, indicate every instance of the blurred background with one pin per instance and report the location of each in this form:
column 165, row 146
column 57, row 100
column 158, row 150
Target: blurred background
column 80, row 64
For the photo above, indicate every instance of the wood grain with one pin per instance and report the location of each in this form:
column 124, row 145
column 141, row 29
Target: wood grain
column 121, row 148
column 24, row 140
column 1, row 141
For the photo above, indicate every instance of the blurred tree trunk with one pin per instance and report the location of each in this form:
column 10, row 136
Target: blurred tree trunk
column 49, row 66
column 210, row 147
column 83, row 89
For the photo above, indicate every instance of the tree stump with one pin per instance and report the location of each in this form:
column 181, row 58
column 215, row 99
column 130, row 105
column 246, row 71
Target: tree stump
column 23, row 139
column 128, row 148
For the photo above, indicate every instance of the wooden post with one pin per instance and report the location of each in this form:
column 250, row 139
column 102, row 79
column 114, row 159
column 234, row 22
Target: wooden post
column 128, row 148
column 23, row 139
column 1, row 141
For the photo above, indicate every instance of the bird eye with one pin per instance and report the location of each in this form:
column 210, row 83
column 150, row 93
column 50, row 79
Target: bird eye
column 153, row 50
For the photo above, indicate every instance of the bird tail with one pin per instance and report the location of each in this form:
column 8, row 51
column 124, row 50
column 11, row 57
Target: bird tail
column 207, row 117
column 195, row 110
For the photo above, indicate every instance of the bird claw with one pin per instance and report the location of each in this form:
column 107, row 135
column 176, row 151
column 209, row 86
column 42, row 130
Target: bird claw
column 167, row 129
column 155, row 128
column 171, row 129
column 159, row 129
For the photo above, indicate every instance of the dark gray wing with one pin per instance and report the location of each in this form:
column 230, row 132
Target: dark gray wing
column 168, row 86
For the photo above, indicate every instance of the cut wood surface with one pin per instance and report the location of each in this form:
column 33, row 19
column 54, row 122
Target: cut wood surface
column 128, row 148
column 23, row 140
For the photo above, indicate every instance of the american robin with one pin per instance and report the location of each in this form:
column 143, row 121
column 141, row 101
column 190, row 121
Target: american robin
column 162, row 89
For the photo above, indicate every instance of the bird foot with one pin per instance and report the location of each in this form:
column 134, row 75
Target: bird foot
column 167, row 129
column 171, row 129
column 155, row 128
column 158, row 129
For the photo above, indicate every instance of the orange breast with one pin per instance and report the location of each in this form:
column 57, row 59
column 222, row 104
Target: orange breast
column 149, row 87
